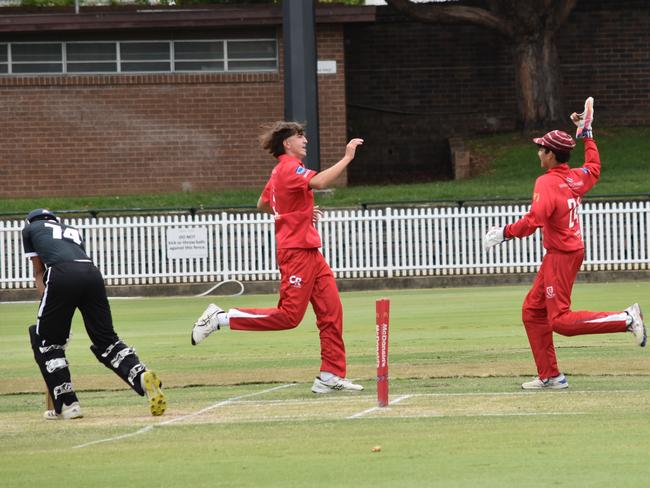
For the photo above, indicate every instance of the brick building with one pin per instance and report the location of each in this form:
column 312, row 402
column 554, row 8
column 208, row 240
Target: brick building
column 402, row 85
column 124, row 101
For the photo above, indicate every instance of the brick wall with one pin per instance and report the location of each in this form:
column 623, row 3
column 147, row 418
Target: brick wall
column 412, row 85
column 124, row 134
column 331, row 99
column 606, row 53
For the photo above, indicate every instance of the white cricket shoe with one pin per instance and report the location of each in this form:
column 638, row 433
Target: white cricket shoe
column 152, row 387
column 637, row 327
column 558, row 382
column 206, row 324
column 334, row 384
column 68, row 412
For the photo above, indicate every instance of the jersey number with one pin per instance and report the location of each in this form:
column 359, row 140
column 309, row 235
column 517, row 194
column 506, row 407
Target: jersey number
column 68, row 233
column 573, row 211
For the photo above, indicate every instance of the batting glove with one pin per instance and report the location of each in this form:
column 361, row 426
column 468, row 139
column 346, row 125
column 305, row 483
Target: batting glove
column 493, row 237
column 583, row 121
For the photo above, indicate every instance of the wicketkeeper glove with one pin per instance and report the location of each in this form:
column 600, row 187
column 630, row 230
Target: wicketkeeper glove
column 493, row 237
column 584, row 120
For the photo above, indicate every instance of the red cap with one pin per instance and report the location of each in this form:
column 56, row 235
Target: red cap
column 557, row 141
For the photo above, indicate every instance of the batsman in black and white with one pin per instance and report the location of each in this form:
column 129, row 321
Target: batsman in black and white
column 68, row 280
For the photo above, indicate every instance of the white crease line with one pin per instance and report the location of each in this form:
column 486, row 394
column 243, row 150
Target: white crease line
column 311, row 418
column 351, row 398
column 224, row 402
column 356, row 397
column 184, row 417
column 363, row 397
column 494, row 414
column 365, row 412
column 370, row 410
column 525, row 393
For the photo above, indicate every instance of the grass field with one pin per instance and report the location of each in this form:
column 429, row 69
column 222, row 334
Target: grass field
column 241, row 413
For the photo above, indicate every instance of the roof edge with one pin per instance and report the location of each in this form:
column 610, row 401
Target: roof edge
column 133, row 17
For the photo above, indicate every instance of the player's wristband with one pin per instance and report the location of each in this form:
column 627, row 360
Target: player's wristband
column 585, row 134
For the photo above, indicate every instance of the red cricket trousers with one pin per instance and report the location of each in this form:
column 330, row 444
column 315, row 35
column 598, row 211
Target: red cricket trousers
column 547, row 309
column 305, row 277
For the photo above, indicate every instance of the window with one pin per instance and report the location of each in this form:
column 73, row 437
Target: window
column 199, row 56
column 145, row 56
column 156, row 56
column 4, row 59
column 91, row 57
column 37, row 58
column 251, row 56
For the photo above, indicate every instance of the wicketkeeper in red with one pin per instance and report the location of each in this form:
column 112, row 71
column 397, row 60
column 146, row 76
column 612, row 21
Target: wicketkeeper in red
column 556, row 199
column 305, row 275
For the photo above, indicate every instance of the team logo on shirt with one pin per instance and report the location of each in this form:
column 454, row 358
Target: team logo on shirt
column 550, row 292
column 300, row 170
column 296, row 281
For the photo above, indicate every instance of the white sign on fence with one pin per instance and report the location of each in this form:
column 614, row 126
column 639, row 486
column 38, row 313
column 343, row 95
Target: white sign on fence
column 190, row 242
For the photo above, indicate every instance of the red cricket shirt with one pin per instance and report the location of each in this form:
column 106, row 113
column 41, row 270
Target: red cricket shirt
column 292, row 201
column 556, row 199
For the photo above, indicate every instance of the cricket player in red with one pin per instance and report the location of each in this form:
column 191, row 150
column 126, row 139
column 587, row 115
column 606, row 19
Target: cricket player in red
column 556, row 199
column 305, row 275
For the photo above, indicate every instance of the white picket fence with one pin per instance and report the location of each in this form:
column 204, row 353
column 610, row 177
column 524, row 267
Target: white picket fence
column 357, row 244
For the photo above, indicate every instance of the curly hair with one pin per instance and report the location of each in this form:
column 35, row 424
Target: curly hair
column 275, row 134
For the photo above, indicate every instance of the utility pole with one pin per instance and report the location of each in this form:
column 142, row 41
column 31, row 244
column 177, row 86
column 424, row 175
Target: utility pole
column 300, row 78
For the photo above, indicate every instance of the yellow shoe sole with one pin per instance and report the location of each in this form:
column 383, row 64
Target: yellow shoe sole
column 152, row 388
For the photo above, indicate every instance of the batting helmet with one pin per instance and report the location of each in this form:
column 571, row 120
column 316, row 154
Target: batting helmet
column 41, row 214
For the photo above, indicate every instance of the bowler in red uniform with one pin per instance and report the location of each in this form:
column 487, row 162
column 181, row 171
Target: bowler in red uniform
column 556, row 199
column 305, row 275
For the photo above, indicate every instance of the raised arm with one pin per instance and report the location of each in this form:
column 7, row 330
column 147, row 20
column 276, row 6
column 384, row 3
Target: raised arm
column 325, row 178
column 589, row 173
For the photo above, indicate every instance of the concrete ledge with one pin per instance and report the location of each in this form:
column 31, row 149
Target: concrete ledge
column 358, row 284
